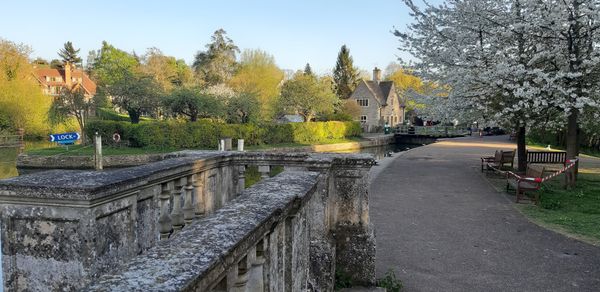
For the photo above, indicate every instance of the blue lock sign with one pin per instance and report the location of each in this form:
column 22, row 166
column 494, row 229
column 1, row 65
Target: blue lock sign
column 65, row 138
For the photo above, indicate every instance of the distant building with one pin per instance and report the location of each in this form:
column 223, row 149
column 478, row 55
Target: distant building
column 379, row 103
column 53, row 81
column 290, row 119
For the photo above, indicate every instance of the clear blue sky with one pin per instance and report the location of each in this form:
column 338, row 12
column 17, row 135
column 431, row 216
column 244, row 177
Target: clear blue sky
column 295, row 32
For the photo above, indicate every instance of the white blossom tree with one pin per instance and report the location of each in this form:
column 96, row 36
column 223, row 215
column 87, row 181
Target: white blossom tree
column 517, row 62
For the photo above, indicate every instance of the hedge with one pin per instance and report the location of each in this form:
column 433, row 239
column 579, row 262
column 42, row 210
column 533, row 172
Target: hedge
column 205, row 134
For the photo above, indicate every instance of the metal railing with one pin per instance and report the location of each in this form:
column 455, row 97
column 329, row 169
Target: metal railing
column 13, row 141
column 433, row 131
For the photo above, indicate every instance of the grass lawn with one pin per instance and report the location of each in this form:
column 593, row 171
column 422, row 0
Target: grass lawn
column 329, row 141
column 88, row 150
column 574, row 212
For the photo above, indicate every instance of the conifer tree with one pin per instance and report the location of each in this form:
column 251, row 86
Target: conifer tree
column 308, row 70
column 345, row 76
column 69, row 54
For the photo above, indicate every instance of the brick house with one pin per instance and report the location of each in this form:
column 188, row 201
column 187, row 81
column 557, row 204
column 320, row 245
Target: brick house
column 379, row 103
column 53, row 81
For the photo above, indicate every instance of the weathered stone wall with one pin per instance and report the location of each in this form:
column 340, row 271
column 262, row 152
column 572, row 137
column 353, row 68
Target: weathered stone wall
column 63, row 228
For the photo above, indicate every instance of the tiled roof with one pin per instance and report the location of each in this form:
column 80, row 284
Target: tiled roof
column 381, row 89
column 88, row 85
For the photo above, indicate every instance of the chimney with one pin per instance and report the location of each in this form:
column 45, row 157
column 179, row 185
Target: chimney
column 376, row 74
column 68, row 81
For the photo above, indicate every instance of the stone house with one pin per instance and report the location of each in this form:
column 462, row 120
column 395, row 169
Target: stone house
column 53, row 81
column 379, row 103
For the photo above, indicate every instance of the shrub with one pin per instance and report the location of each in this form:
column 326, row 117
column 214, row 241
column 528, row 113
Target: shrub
column 205, row 134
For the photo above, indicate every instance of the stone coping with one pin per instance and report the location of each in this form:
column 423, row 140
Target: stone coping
column 92, row 185
column 202, row 252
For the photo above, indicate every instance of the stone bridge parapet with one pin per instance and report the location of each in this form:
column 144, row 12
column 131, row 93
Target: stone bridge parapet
column 187, row 223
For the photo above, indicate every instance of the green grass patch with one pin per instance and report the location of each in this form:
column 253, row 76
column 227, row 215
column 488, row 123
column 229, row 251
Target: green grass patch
column 285, row 145
column 88, row 150
column 575, row 211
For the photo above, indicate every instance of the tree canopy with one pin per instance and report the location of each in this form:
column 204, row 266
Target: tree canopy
column 216, row 64
column 517, row 62
column 258, row 75
column 307, row 96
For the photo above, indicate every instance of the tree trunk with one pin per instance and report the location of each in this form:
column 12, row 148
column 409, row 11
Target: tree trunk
column 572, row 146
column 521, row 149
column 134, row 116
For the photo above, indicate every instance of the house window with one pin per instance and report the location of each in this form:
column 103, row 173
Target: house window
column 363, row 102
column 363, row 119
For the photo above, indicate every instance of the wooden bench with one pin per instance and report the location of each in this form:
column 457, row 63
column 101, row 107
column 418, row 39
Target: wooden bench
column 546, row 157
column 530, row 182
column 499, row 159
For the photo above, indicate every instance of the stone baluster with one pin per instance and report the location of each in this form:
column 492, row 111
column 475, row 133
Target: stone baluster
column 164, row 220
column 256, row 256
column 241, row 178
column 188, row 206
column 238, row 276
column 176, row 213
column 264, row 171
column 199, row 193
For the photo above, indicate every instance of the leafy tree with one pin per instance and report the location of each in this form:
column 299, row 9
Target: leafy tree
column 22, row 103
column 307, row 96
column 112, row 65
column 90, row 61
column 69, row 54
column 183, row 74
column 167, row 71
column 345, row 75
column 56, row 64
column 351, row 108
column 243, row 108
column 308, row 70
column 135, row 93
column 70, row 103
column 258, row 75
column 194, row 103
column 216, row 64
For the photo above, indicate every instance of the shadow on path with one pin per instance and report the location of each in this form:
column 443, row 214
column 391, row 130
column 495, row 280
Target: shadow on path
column 442, row 227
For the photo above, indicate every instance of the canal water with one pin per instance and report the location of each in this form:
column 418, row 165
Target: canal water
column 381, row 152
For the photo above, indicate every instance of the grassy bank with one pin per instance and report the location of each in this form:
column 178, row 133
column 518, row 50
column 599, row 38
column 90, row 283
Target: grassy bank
column 575, row 212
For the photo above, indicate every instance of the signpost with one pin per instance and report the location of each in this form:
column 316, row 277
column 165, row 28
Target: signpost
column 65, row 138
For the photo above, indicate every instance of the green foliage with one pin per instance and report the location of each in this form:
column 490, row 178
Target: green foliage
column 345, row 76
column 307, row 96
column 194, row 103
column 342, row 280
column 69, row 54
column 390, row 282
column 217, row 64
column 113, row 65
column 135, row 93
column 22, row 103
column 308, row 70
column 243, row 108
column 109, row 114
column 204, row 134
column 68, row 104
column 257, row 74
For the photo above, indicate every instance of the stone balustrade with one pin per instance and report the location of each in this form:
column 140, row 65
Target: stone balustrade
column 62, row 228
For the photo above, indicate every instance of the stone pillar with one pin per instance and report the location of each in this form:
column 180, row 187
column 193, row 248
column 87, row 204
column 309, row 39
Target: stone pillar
column 240, row 146
column 264, row 171
column 188, row 206
column 354, row 235
column 164, row 220
column 199, row 209
column 228, row 144
column 176, row 213
column 241, row 184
